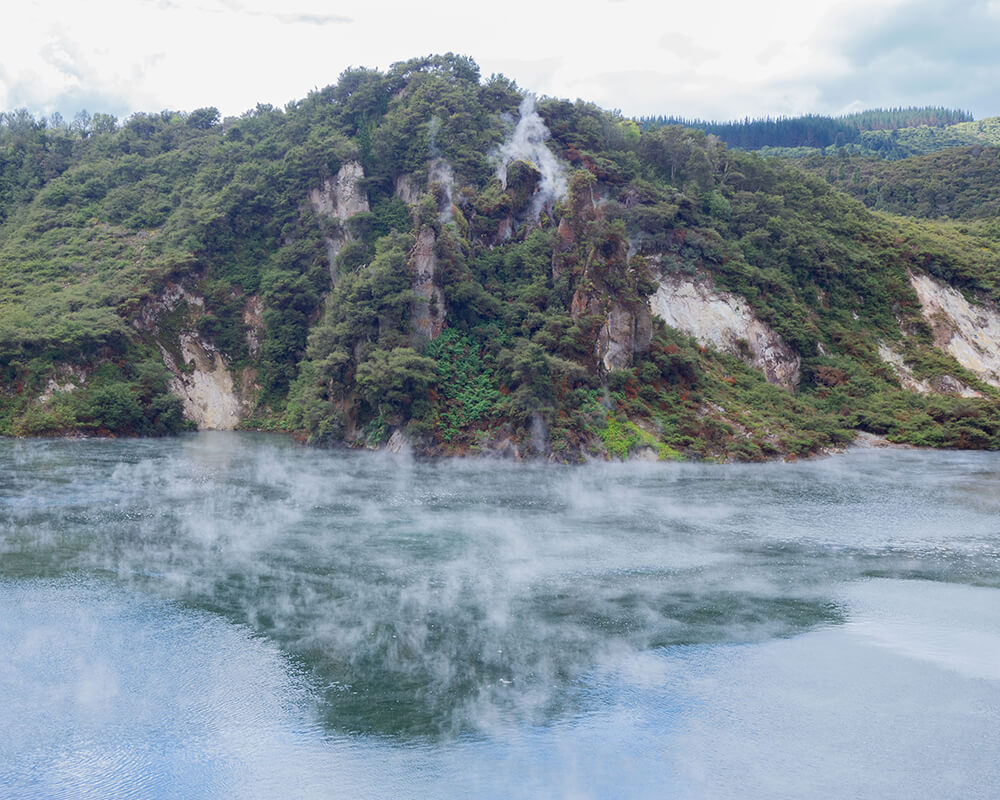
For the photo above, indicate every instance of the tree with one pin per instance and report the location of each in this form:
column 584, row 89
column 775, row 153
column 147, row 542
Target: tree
column 203, row 118
column 392, row 380
column 104, row 123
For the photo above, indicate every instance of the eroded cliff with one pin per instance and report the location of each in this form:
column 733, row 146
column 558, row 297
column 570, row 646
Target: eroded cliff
column 726, row 322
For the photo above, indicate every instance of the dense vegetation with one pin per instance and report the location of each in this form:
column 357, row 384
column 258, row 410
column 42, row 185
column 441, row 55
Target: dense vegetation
column 959, row 183
column 886, row 134
column 814, row 130
column 103, row 222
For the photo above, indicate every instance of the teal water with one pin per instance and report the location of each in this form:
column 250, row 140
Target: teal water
column 232, row 615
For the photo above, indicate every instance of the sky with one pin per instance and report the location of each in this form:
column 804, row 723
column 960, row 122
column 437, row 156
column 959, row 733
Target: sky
column 695, row 59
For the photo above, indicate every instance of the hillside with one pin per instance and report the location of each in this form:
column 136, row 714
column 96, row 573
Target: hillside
column 891, row 134
column 959, row 183
column 815, row 131
column 424, row 258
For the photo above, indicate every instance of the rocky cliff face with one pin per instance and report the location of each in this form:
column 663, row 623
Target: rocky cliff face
column 64, row 378
column 428, row 309
column 339, row 199
column 942, row 384
column 406, row 189
column 726, row 322
column 205, row 385
column 624, row 331
column 213, row 398
column 969, row 332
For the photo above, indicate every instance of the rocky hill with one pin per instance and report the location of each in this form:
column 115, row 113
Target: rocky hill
column 423, row 258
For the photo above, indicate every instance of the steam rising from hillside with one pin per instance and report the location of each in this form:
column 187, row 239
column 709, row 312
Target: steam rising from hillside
column 439, row 171
column 527, row 143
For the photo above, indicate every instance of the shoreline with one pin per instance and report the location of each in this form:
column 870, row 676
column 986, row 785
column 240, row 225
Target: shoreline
column 507, row 450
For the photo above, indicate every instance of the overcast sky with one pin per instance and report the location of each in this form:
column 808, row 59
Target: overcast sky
column 697, row 58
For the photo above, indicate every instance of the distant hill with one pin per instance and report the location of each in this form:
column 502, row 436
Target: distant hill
column 958, row 183
column 892, row 134
column 921, row 140
column 815, row 131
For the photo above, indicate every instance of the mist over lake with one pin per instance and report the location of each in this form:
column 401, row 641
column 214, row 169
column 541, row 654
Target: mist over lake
column 234, row 615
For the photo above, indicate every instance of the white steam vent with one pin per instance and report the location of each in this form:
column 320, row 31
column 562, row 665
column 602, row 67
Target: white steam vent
column 527, row 143
column 439, row 170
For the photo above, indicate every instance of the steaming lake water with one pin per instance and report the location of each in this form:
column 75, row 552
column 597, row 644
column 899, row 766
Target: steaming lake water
column 232, row 615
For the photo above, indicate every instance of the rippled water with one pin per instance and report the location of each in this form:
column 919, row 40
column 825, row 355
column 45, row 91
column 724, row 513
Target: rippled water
column 229, row 615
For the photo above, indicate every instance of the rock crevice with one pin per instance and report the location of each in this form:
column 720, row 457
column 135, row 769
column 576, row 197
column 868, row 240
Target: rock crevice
column 428, row 312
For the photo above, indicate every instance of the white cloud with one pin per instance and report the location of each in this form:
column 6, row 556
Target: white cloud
column 719, row 60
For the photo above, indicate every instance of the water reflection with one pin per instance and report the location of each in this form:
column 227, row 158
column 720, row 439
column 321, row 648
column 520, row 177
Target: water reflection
column 348, row 607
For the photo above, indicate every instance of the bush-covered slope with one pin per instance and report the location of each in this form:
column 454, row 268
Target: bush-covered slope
column 960, row 183
column 902, row 143
column 815, row 131
column 423, row 254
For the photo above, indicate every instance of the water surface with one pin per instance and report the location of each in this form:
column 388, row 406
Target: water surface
column 228, row 615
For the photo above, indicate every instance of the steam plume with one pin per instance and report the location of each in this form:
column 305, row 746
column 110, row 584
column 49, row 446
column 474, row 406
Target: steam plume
column 439, row 170
column 527, row 143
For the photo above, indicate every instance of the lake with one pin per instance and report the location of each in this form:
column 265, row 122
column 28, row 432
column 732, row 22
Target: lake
column 234, row 615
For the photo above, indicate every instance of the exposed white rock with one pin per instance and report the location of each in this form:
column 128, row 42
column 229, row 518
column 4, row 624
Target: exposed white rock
column 340, row 198
column 869, row 441
column 970, row 333
column 65, row 378
column 726, row 322
column 399, row 443
column 203, row 381
column 165, row 302
column 406, row 190
column 906, row 378
column 945, row 384
column 207, row 391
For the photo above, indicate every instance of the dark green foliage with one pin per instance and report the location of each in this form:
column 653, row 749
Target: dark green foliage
column 466, row 383
column 391, row 381
column 813, row 130
column 105, row 399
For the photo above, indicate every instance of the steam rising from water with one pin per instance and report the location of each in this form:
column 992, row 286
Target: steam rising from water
column 527, row 143
column 456, row 604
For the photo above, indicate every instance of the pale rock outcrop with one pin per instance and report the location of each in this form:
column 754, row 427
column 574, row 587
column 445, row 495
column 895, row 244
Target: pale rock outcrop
column 440, row 182
column 969, row 332
column 340, row 198
column 199, row 374
column 253, row 319
column 623, row 334
column 727, row 322
column 943, row 384
column 406, row 190
column 165, row 302
column 868, row 441
column 207, row 389
column 65, row 378
column 428, row 308
column 399, row 443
